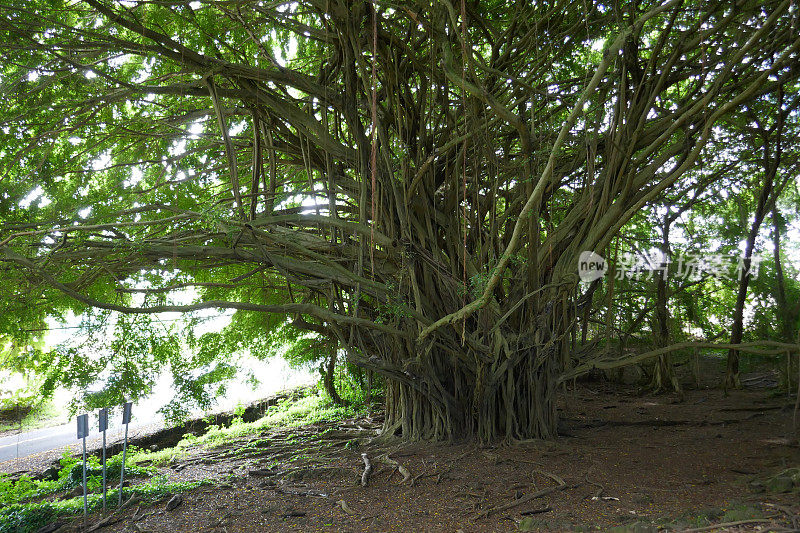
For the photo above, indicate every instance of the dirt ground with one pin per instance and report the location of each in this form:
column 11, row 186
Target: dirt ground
column 625, row 462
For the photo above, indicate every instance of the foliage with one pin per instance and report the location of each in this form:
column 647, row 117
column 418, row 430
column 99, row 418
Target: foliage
column 406, row 186
column 22, row 508
column 29, row 517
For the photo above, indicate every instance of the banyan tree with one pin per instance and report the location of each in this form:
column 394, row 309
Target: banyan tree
column 411, row 181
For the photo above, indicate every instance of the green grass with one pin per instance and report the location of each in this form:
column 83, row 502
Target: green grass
column 29, row 517
column 25, row 506
column 290, row 412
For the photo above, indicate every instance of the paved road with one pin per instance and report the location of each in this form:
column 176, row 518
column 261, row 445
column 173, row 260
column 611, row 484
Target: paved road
column 41, row 440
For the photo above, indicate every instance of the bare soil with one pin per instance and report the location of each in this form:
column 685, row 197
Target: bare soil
column 625, row 462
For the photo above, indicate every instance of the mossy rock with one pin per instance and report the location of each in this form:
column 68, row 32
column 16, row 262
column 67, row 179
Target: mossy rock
column 741, row 512
column 780, row 484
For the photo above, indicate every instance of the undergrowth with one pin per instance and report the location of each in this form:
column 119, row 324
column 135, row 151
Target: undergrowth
column 27, row 504
column 29, row 517
column 311, row 408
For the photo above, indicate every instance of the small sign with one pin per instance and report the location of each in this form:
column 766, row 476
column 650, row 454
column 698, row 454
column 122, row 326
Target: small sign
column 103, row 419
column 126, row 413
column 83, row 426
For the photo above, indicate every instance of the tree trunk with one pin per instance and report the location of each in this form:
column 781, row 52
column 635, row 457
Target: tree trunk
column 787, row 315
column 732, row 374
column 461, row 186
column 771, row 165
column 515, row 402
column 328, row 378
column 663, row 372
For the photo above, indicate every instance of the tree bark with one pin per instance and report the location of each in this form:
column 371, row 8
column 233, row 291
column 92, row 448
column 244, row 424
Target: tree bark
column 771, row 164
column 329, row 377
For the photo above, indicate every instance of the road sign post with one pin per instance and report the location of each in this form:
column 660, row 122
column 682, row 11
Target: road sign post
column 126, row 419
column 83, row 432
column 103, row 423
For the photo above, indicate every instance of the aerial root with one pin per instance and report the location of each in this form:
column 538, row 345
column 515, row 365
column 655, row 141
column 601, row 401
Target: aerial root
column 527, row 497
column 405, row 472
column 117, row 516
column 367, row 470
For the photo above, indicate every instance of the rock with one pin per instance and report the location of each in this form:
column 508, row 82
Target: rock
column 756, row 486
column 74, row 493
column 50, row 474
column 267, row 483
column 780, row 484
column 641, row 498
column 630, row 375
column 49, row 528
column 174, row 502
column 153, row 448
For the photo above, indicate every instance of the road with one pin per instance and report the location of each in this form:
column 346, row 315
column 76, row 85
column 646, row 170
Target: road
column 146, row 417
column 45, row 439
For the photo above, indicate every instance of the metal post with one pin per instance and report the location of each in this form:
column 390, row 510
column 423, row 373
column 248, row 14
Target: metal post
column 126, row 419
column 104, row 471
column 103, row 423
column 83, row 432
column 85, row 506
